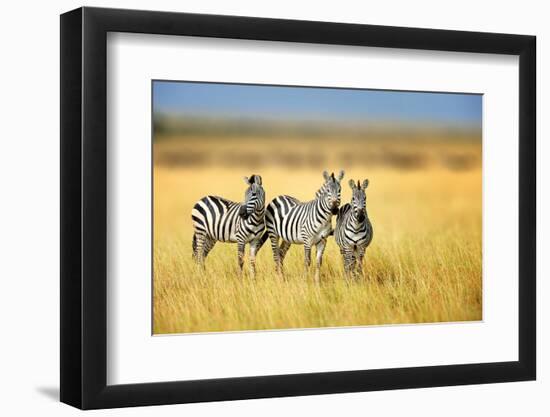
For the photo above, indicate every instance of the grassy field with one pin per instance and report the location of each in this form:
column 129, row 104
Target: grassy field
column 424, row 264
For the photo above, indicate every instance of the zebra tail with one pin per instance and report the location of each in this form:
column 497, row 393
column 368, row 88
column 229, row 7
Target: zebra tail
column 194, row 244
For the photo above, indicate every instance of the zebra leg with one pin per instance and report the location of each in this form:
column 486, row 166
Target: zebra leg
column 276, row 253
column 283, row 250
column 349, row 261
column 254, row 246
column 207, row 246
column 307, row 257
column 361, row 255
column 198, row 248
column 320, row 250
column 240, row 256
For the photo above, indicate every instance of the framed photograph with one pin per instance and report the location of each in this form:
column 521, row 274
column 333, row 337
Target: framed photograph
column 257, row 208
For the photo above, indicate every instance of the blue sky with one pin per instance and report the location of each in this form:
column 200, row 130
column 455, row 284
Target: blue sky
column 297, row 103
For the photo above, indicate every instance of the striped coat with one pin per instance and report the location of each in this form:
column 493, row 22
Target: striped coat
column 307, row 223
column 353, row 232
column 216, row 219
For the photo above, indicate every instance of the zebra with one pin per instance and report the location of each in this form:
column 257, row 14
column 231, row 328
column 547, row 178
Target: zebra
column 353, row 232
column 216, row 219
column 308, row 223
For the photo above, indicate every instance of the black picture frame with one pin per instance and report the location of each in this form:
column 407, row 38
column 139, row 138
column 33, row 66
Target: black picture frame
column 84, row 207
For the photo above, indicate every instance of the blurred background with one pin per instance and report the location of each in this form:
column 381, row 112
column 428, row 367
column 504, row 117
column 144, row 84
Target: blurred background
column 252, row 126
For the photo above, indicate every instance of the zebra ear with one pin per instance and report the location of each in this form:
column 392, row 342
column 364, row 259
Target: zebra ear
column 246, row 180
column 352, row 184
column 258, row 179
column 365, row 184
column 341, row 175
column 325, row 175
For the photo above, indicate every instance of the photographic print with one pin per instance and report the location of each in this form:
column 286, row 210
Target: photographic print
column 289, row 207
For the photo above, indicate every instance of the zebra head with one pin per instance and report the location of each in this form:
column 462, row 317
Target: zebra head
column 330, row 191
column 254, row 196
column 359, row 199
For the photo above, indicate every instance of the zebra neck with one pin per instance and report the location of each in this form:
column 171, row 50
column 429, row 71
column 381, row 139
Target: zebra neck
column 355, row 223
column 322, row 208
column 255, row 216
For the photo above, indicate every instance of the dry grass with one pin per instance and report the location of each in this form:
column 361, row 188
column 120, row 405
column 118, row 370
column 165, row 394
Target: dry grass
column 424, row 264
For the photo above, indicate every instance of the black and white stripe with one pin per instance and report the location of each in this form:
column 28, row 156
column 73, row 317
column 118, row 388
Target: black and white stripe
column 353, row 232
column 306, row 223
column 216, row 219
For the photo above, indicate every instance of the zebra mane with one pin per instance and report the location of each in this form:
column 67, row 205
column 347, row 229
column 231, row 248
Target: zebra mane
column 321, row 191
column 324, row 187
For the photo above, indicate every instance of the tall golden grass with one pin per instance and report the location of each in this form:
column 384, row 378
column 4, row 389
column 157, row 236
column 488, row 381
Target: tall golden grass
column 423, row 265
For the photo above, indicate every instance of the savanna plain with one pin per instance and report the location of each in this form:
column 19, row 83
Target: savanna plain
column 423, row 265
